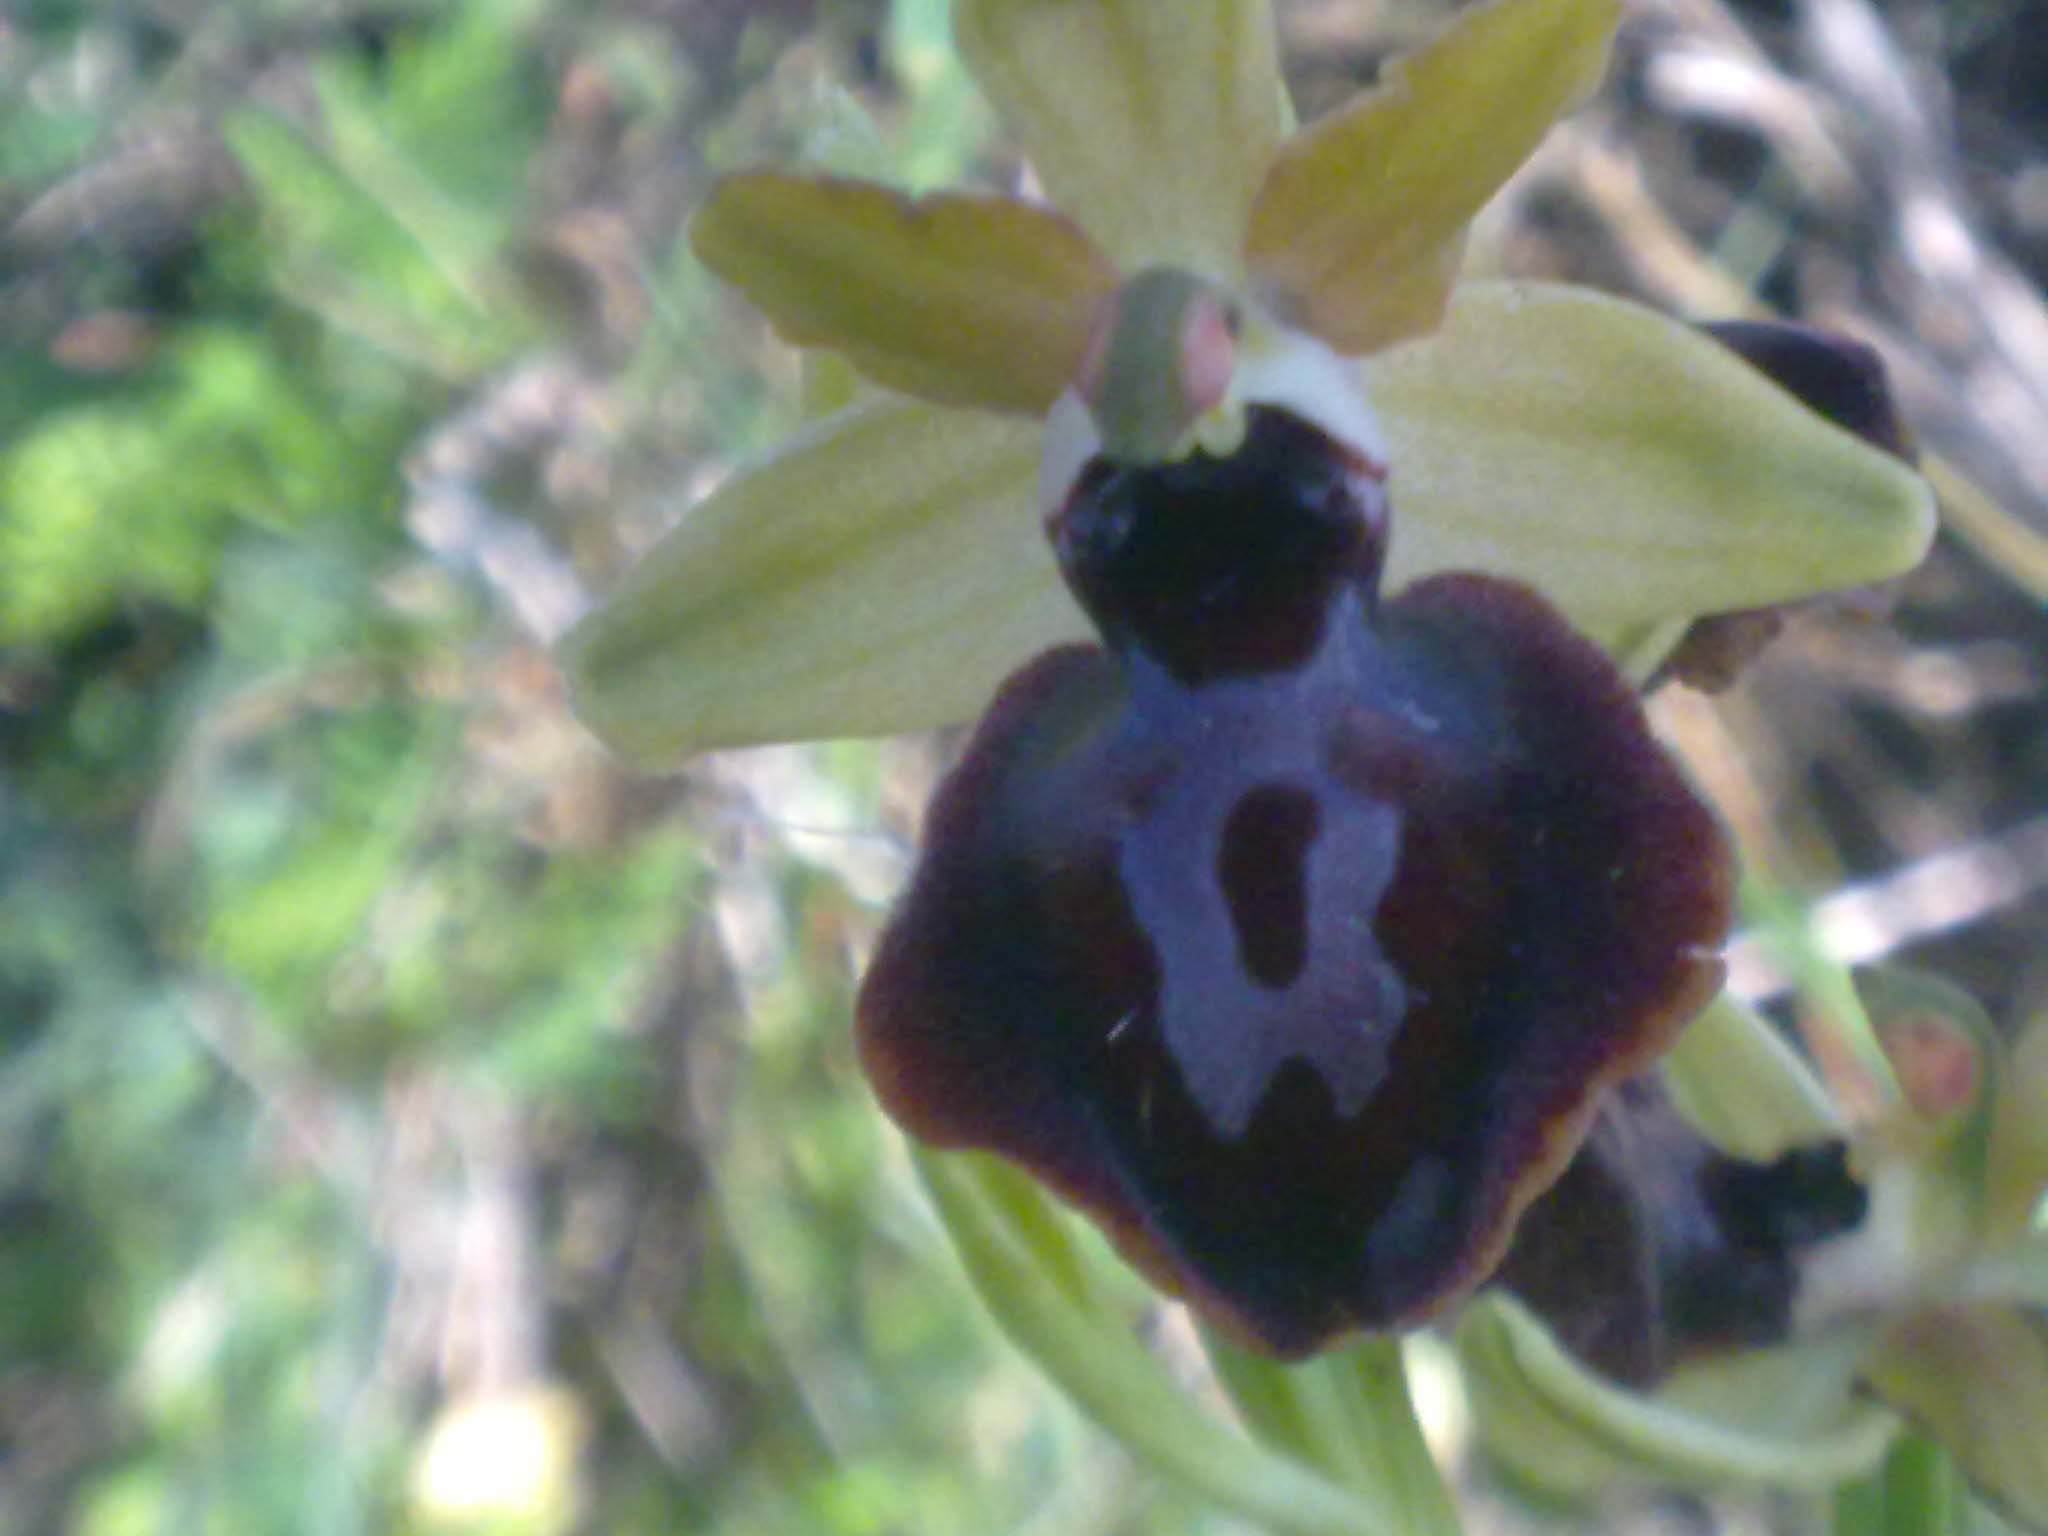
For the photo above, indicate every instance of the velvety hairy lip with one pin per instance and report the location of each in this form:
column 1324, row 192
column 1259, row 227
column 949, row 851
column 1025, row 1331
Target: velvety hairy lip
column 1296, row 934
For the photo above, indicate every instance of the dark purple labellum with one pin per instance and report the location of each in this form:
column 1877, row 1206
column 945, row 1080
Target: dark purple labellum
column 1295, row 935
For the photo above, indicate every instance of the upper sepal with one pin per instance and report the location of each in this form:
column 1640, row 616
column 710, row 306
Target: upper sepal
column 1359, row 224
column 1150, row 124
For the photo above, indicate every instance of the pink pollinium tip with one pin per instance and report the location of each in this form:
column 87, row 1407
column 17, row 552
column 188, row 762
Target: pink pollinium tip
column 1208, row 353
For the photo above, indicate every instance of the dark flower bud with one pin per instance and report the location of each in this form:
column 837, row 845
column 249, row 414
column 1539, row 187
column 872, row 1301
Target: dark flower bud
column 1836, row 377
column 1654, row 1247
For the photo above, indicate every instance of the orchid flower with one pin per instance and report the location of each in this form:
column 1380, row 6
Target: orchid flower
column 1885, row 1243
column 1292, row 931
column 884, row 570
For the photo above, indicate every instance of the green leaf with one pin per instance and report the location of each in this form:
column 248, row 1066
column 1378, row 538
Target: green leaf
column 391, row 220
column 85, row 520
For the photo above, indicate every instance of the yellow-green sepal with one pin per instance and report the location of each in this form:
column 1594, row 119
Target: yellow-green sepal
column 1149, row 123
column 1357, row 228
column 1785, row 1418
column 957, row 298
column 1625, row 465
column 882, row 571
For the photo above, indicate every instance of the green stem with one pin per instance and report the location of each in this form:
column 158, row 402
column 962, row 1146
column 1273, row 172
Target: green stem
column 1381, row 1414
column 1837, row 1025
column 1298, row 1410
column 1923, row 1491
column 1742, row 1086
column 1092, row 1356
column 1917, row 1492
column 1350, row 1414
column 1859, row 1506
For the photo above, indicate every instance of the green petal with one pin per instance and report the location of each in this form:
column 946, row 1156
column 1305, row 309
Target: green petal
column 1976, row 1379
column 1358, row 226
column 1149, row 123
column 1786, row 1417
column 958, row 299
column 882, row 572
column 1740, row 1084
column 1628, row 467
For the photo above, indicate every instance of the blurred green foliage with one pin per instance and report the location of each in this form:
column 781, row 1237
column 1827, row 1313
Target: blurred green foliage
column 408, row 1122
